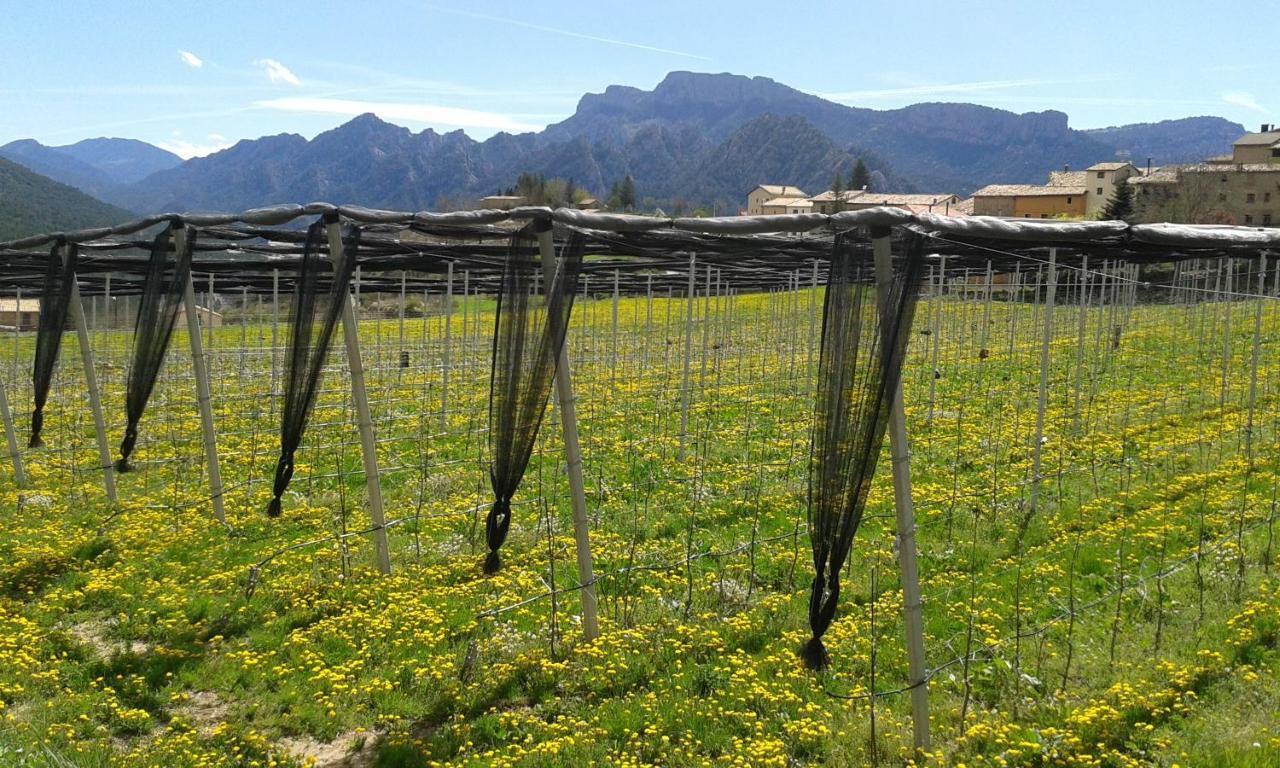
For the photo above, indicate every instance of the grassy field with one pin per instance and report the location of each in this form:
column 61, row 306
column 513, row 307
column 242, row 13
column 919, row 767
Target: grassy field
column 1130, row 618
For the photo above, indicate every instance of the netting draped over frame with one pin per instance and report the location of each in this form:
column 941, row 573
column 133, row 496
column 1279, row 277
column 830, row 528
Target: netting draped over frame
column 314, row 315
column 529, row 332
column 162, row 292
column 55, row 300
column 858, row 372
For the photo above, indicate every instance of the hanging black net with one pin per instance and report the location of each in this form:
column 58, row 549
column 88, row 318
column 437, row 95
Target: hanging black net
column 162, row 290
column 858, row 372
column 55, row 300
column 528, row 334
column 314, row 315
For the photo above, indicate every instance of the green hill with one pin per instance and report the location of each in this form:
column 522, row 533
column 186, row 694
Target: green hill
column 31, row 204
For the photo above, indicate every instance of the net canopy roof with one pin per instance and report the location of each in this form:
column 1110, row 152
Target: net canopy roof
column 644, row 252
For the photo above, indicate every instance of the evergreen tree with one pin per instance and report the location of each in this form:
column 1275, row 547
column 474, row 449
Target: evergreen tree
column 1120, row 207
column 837, row 185
column 860, row 177
column 627, row 193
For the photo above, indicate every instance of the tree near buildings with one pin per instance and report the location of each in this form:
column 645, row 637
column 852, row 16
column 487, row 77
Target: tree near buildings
column 860, row 177
column 1120, row 207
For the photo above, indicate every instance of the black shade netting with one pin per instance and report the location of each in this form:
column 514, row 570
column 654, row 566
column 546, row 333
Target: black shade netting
column 529, row 332
column 55, row 301
column 864, row 338
column 315, row 313
column 163, row 286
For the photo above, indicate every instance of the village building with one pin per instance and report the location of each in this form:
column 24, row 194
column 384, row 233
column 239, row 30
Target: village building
column 856, row 199
column 20, row 314
column 772, row 193
column 1031, row 201
column 1242, row 188
column 1100, row 184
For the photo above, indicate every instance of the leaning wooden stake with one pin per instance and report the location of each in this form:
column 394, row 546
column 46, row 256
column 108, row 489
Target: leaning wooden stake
column 91, row 380
column 19, row 474
column 900, row 450
column 364, row 420
column 203, row 397
column 573, row 458
column 1046, row 340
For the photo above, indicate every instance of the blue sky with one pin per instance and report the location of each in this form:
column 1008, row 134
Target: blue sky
column 195, row 77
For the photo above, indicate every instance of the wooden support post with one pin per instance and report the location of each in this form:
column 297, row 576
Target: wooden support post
column 688, row 343
column 91, row 380
column 208, row 300
column 1253, row 361
column 1045, row 341
column 1083, row 299
column 900, row 451
column 448, row 344
column 275, row 328
column 203, row 396
column 401, row 362
column 11, row 437
column 17, row 339
column 573, row 456
column 364, row 421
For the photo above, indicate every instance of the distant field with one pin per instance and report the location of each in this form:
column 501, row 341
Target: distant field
column 1137, row 624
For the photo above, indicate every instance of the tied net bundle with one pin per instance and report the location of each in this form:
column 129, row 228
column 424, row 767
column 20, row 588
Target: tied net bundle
column 55, row 300
column 529, row 333
column 314, row 316
column 162, row 294
column 864, row 340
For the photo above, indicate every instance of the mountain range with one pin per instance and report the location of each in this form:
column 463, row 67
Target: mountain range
column 695, row 139
column 31, row 204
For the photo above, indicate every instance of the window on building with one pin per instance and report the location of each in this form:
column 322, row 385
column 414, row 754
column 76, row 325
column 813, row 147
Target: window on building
column 1068, row 201
column 1266, row 218
column 1266, row 197
column 1044, row 215
column 1101, row 175
column 1099, row 190
column 1248, row 219
column 1249, row 198
column 1275, row 153
column 1222, row 197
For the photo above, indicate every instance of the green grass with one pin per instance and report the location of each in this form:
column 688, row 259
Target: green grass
column 115, row 619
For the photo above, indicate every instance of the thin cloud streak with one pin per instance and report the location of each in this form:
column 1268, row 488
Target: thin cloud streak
column 416, row 113
column 569, row 33
column 277, row 72
column 190, row 59
column 1244, row 100
column 189, row 149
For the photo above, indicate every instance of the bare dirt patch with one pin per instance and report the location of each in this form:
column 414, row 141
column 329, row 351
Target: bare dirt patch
column 347, row 750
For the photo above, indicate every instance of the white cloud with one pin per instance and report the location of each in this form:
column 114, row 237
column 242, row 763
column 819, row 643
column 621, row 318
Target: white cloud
column 277, row 72
column 189, row 149
column 430, row 114
column 190, row 59
column 1245, row 100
